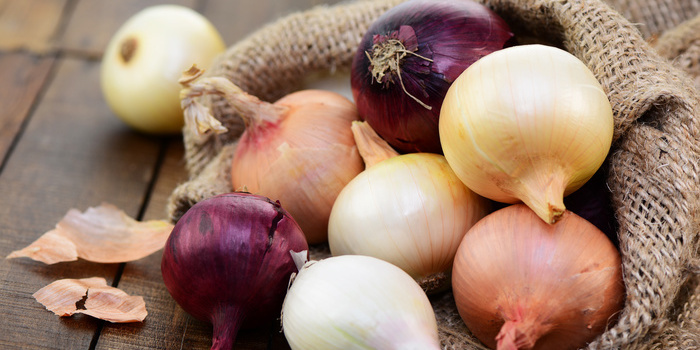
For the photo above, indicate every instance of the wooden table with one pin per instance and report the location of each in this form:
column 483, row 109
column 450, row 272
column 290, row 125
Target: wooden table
column 61, row 147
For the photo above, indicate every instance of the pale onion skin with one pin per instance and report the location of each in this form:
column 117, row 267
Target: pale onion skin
column 357, row 302
column 142, row 87
column 304, row 161
column 410, row 210
column 559, row 283
column 527, row 123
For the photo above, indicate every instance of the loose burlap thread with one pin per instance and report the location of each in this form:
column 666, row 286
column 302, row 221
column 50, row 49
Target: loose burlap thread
column 654, row 163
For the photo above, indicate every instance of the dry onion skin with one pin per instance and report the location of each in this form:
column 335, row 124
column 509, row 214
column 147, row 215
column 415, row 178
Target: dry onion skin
column 410, row 210
column 520, row 283
column 527, row 124
column 103, row 234
column 93, row 297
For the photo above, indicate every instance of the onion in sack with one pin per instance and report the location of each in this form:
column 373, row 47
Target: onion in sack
column 407, row 60
column 410, row 210
column 527, row 123
column 520, row 283
column 299, row 150
column 227, row 262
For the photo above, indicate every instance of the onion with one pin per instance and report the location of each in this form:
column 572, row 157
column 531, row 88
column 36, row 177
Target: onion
column 227, row 262
column 520, row 283
column 357, row 302
column 593, row 202
column 410, row 210
column 144, row 60
column 527, row 123
column 299, row 150
column 408, row 58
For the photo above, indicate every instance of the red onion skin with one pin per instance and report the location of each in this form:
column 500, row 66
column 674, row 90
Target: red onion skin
column 227, row 262
column 453, row 34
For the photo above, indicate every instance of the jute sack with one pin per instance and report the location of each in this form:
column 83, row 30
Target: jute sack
column 654, row 163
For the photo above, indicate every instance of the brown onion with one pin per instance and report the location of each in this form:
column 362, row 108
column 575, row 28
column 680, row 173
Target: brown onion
column 299, row 150
column 520, row 283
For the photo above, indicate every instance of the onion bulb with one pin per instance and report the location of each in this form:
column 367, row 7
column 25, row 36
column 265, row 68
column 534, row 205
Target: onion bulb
column 144, row 60
column 227, row 262
column 410, row 210
column 527, row 123
column 520, row 283
column 357, row 302
column 299, row 150
column 407, row 60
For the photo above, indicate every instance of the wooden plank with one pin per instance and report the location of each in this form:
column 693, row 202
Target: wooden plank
column 21, row 78
column 73, row 154
column 94, row 22
column 237, row 19
column 29, row 24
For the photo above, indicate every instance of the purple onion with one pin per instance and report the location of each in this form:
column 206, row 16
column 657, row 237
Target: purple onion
column 593, row 202
column 408, row 59
column 227, row 262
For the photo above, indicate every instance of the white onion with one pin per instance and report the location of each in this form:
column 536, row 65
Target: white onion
column 144, row 60
column 357, row 302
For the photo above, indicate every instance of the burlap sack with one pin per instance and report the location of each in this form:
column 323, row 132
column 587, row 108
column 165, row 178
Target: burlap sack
column 654, row 163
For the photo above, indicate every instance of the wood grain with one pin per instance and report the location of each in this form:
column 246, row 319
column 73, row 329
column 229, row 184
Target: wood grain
column 30, row 24
column 93, row 23
column 73, row 154
column 21, row 78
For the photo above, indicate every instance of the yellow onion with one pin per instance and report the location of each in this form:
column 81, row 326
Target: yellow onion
column 410, row 210
column 520, row 283
column 527, row 123
column 144, row 60
column 299, row 150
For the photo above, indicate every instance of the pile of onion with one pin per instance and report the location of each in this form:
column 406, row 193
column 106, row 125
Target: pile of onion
column 228, row 262
column 520, row 283
column 407, row 60
column 299, row 150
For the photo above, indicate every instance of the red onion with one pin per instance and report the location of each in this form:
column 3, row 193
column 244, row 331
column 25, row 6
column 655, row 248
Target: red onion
column 227, row 262
column 408, row 59
column 593, row 202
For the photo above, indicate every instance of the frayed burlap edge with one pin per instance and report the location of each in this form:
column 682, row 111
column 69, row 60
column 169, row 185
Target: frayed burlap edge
column 654, row 162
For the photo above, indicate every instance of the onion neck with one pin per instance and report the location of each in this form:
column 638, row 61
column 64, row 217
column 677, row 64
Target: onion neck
column 255, row 113
column 372, row 148
column 544, row 194
column 226, row 323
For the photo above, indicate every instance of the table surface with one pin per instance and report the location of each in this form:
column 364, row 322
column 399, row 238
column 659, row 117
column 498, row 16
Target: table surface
column 61, row 147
